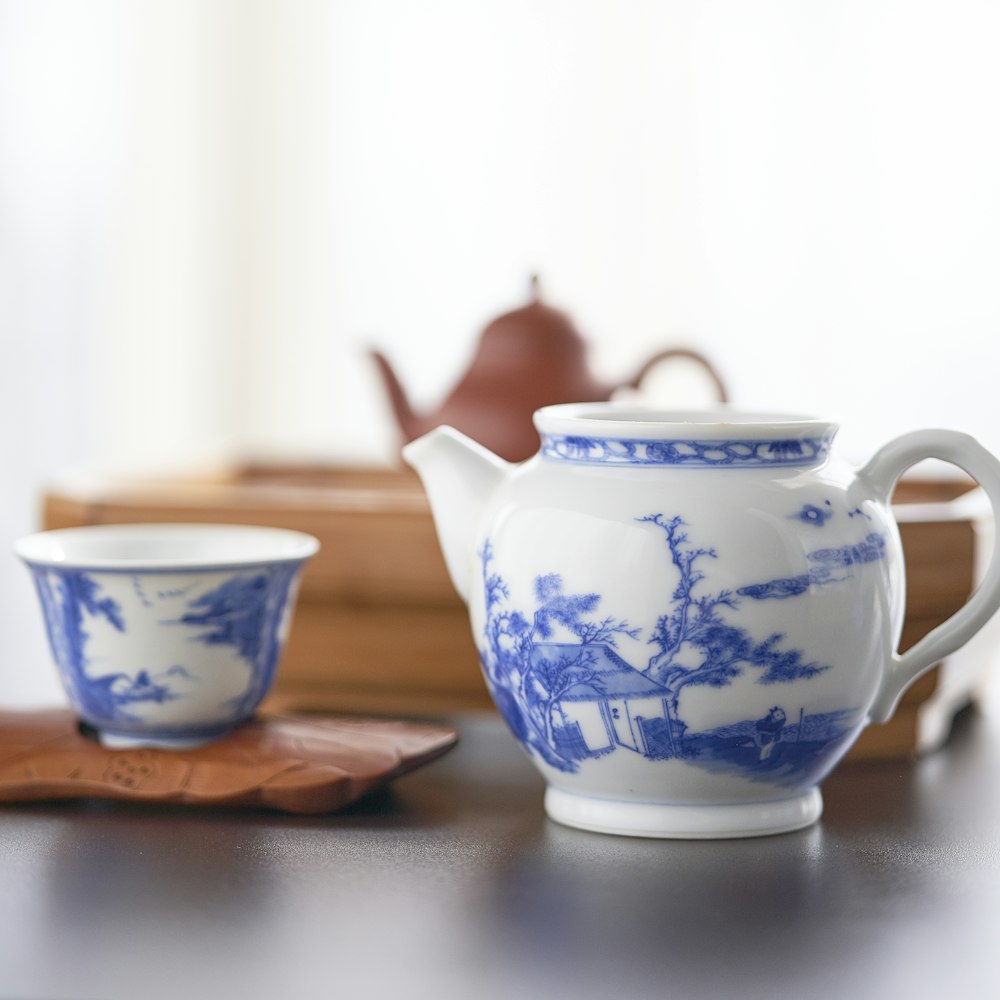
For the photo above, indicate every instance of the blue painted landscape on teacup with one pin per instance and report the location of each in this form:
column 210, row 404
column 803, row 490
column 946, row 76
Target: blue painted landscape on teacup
column 558, row 678
column 214, row 645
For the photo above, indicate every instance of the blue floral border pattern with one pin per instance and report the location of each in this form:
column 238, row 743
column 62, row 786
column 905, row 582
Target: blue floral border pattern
column 637, row 451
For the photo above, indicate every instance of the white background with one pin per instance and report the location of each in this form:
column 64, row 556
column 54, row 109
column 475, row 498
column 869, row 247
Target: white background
column 210, row 211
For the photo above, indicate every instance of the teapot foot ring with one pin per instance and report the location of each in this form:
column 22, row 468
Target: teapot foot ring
column 683, row 822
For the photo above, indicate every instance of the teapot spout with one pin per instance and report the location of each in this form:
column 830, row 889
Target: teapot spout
column 406, row 418
column 459, row 476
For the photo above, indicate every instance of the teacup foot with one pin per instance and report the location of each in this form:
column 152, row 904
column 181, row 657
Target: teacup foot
column 683, row 822
column 120, row 741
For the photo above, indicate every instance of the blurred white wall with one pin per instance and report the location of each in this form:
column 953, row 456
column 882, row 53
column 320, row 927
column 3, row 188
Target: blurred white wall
column 209, row 211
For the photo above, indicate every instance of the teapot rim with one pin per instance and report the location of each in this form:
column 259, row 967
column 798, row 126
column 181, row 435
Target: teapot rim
column 628, row 420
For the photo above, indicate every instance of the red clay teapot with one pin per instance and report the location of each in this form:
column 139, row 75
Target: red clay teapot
column 526, row 359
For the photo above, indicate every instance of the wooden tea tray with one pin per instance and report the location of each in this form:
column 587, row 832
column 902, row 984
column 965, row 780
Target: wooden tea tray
column 294, row 764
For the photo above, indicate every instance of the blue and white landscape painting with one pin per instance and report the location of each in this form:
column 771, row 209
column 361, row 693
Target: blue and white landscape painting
column 559, row 677
column 216, row 637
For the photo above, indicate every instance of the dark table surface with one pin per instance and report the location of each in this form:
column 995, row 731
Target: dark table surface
column 452, row 883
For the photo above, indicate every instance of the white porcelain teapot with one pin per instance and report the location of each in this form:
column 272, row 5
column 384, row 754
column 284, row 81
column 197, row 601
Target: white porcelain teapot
column 687, row 619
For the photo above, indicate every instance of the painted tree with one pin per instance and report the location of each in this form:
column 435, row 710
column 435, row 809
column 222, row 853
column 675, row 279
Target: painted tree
column 550, row 678
column 230, row 614
column 527, row 683
column 78, row 593
column 696, row 645
column 81, row 592
column 243, row 612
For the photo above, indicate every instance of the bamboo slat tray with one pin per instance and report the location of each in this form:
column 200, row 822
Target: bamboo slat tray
column 296, row 765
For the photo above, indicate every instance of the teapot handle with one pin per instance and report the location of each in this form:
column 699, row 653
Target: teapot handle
column 881, row 473
column 680, row 352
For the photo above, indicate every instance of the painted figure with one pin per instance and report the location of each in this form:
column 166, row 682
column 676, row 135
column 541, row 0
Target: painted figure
column 769, row 730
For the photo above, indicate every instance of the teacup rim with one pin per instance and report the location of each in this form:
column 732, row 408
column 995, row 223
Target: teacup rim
column 48, row 548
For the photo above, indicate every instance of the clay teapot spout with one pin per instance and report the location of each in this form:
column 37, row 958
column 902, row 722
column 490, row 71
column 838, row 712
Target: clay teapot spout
column 527, row 358
column 408, row 421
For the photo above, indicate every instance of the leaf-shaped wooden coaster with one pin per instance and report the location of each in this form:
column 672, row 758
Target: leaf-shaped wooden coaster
column 298, row 764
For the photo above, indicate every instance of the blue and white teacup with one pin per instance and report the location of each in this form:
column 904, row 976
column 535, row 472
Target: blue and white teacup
column 166, row 634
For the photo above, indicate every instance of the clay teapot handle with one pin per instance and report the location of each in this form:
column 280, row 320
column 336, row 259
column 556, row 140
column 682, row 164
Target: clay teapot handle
column 681, row 352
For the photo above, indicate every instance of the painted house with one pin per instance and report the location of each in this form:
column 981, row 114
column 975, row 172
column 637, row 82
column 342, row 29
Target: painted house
column 612, row 708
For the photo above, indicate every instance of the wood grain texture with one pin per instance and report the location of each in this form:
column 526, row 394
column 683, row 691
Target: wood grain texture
column 306, row 765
